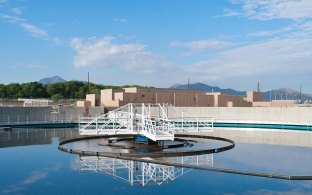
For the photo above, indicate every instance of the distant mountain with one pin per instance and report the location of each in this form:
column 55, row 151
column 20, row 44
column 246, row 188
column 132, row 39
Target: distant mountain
column 208, row 88
column 278, row 94
column 286, row 93
column 50, row 80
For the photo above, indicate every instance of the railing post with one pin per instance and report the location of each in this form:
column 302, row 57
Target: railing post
column 131, row 117
column 143, row 118
column 212, row 123
column 197, row 124
column 79, row 123
column 96, row 125
column 182, row 121
column 114, row 120
column 8, row 119
column 18, row 119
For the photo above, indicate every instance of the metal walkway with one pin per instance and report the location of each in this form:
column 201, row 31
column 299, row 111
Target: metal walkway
column 149, row 120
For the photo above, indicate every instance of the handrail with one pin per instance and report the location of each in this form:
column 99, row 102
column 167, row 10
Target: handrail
column 125, row 117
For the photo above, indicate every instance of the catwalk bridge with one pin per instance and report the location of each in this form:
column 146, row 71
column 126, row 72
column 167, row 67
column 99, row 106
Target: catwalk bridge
column 138, row 120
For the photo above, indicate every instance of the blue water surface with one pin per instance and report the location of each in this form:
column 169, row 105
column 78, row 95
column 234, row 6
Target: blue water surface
column 43, row 169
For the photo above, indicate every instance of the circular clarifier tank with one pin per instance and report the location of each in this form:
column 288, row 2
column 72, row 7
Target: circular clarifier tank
column 128, row 146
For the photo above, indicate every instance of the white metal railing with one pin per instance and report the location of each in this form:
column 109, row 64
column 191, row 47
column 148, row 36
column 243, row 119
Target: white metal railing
column 155, row 128
column 193, row 123
column 38, row 119
column 111, row 122
column 149, row 126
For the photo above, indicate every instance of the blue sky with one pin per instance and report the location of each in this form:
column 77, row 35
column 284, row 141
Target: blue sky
column 228, row 43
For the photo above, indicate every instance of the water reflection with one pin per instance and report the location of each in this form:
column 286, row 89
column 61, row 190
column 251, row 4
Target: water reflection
column 141, row 173
column 28, row 137
column 45, row 170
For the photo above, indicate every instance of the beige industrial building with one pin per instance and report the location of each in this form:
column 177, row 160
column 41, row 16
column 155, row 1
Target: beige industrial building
column 253, row 96
column 256, row 98
column 226, row 100
column 275, row 103
column 178, row 98
column 175, row 97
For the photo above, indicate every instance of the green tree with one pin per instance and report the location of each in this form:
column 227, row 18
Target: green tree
column 14, row 91
column 3, row 91
column 56, row 97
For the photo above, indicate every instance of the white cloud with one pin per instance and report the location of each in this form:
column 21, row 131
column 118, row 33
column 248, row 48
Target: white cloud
column 34, row 177
column 229, row 12
column 12, row 19
column 202, row 45
column 34, row 30
column 17, row 10
column 275, row 9
column 106, row 52
column 121, row 20
column 280, row 31
column 282, row 56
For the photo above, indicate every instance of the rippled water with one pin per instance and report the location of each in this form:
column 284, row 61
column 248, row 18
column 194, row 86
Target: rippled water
column 30, row 163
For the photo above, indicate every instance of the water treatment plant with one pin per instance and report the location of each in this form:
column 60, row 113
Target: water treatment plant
column 148, row 145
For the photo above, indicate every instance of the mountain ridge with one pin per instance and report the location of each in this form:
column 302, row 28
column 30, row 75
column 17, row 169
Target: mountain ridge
column 275, row 94
column 51, row 80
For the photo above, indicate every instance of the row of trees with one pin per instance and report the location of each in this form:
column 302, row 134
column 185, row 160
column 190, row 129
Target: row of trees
column 55, row 91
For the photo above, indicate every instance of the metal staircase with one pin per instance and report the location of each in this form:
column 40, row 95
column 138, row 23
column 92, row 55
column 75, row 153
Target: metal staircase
column 129, row 119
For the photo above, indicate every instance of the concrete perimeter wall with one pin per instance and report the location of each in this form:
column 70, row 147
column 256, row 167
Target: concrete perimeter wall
column 281, row 115
column 43, row 114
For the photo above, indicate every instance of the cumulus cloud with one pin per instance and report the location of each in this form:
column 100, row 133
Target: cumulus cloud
column 274, row 9
column 106, row 52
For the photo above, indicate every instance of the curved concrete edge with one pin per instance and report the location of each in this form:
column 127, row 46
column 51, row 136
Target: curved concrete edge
column 154, row 154
column 148, row 160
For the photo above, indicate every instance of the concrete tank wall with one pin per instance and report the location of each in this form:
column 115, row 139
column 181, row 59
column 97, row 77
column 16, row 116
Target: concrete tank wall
column 289, row 115
column 43, row 114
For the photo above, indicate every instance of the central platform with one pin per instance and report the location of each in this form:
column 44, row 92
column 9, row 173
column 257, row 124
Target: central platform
column 142, row 119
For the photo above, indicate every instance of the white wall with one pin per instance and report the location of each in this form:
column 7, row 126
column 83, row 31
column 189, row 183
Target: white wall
column 287, row 115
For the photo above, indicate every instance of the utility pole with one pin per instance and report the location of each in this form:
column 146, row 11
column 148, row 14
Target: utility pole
column 188, row 83
column 300, row 94
column 258, row 87
column 88, row 83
